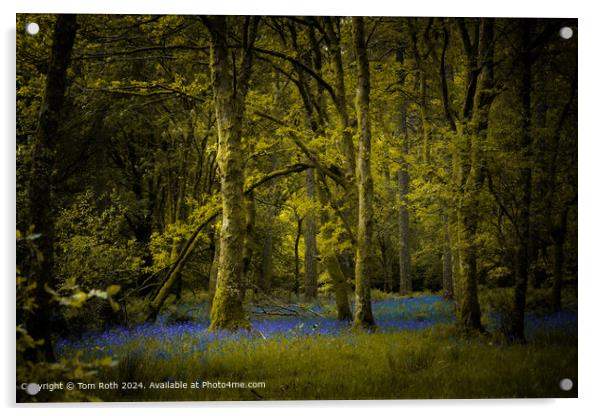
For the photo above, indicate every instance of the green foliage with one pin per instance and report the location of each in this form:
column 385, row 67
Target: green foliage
column 72, row 368
column 93, row 250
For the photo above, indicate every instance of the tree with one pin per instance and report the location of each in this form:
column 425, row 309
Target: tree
column 309, row 236
column 41, row 199
column 403, row 175
column 227, row 310
column 363, row 259
column 479, row 95
column 523, row 255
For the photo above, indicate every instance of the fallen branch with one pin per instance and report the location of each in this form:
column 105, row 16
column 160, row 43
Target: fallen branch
column 263, row 311
column 272, row 302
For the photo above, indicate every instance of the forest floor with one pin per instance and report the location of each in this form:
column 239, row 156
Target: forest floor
column 300, row 351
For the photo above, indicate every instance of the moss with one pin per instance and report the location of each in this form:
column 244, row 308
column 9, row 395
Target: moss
column 227, row 312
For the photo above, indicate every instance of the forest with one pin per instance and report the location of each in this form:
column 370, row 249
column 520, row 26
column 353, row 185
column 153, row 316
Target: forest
column 299, row 207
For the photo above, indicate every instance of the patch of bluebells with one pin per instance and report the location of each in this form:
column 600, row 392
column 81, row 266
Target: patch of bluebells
column 391, row 315
column 536, row 322
column 556, row 320
column 167, row 338
column 412, row 313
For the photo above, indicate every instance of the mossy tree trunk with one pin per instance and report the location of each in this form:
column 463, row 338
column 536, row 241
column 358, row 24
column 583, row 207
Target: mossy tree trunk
column 345, row 138
column 309, row 237
column 297, row 281
column 330, row 259
column 229, row 95
column 405, row 277
column 403, row 178
column 425, row 119
column 214, row 264
column 468, row 307
column 447, row 263
column 39, row 325
column 347, row 146
column 363, row 309
column 249, row 247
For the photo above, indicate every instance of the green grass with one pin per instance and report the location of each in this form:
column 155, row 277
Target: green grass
column 412, row 364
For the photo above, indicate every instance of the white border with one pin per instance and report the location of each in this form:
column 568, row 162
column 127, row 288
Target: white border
column 590, row 230
column 506, row 8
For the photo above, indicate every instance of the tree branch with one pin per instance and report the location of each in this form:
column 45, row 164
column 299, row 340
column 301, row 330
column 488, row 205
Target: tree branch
column 211, row 213
column 301, row 65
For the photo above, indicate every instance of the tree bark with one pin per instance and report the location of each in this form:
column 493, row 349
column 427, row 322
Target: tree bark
column 469, row 310
column 345, row 139
column 523, row 255
column 425, row 121
column 40, row 325
column 341, row 102
column 363, row 259
column 405, row 277
column 559, row 237
column 403, row 178
column 309, row 236
column 227, row 310
column 559, row 224
column 331, row 260
column 214, row 266
column 447, row 263
column 249, row 245
column 297, row 282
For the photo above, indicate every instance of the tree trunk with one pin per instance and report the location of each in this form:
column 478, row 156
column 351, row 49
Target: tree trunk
column 331, row 261
column 309, row 236
column 341, row 103
column 363, row 259
column 40, row 325
column 403, row 178
column 214, row 266
column 447, row 262
column 227, row 310
column 523, row 256
column 175, row 251
column 559, row 237
column 384, row 239
column 387, row 262
column 249, row 245
column 468, row 308
column 345, row 140
column 297, row 282
column 405, row 277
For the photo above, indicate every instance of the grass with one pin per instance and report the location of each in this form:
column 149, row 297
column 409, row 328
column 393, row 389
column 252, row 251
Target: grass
column 416, row 353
